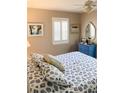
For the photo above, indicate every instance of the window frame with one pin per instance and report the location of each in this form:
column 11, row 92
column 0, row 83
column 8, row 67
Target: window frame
column 60, row 41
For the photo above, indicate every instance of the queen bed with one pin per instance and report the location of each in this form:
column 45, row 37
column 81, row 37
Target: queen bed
column 80, row 72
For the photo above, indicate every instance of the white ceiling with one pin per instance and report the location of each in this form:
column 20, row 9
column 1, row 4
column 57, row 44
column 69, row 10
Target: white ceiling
column 60, row 5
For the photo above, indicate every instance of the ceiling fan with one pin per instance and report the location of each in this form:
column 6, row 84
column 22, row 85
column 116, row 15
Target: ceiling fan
column 88, row 6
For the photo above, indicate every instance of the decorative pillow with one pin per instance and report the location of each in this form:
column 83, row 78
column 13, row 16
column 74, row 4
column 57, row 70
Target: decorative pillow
column 37, row 58
column 48, row 71
column 34, row 76
column 53, row 61
column 53, row 74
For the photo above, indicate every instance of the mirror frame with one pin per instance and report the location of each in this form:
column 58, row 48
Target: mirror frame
column 94, row 28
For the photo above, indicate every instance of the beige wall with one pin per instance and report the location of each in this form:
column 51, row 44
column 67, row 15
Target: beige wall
column 85, row 19
column 43, row 44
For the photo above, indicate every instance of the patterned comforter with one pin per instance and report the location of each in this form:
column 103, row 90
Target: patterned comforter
column 80, row 70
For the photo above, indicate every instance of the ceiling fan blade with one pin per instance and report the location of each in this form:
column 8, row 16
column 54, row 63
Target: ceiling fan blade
column 88, row 9
column 91, row 3
column 88, row 2
column 94, row 3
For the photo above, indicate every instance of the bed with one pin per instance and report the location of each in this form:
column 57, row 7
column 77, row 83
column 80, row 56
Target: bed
column 80, row 70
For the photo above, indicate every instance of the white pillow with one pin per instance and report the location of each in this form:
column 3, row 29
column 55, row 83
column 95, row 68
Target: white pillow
column 53, row 61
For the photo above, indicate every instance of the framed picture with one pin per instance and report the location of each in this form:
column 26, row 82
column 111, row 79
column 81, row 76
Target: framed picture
column 74, row 28
column 35, row 29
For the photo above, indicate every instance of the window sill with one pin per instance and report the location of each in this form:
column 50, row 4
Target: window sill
column 58, row 43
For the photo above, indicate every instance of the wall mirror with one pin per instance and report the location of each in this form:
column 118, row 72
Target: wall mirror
column 90, row 32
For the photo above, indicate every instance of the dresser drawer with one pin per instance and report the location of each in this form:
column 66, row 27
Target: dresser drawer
column 84, row 49
column 88, row 49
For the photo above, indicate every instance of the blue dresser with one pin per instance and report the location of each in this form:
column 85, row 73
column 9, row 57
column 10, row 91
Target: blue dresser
column 89, row 49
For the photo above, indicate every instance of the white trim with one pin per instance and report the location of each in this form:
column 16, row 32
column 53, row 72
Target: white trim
column 60, row 42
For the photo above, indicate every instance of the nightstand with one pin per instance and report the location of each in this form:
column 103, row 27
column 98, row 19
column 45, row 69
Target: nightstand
column 89, row 49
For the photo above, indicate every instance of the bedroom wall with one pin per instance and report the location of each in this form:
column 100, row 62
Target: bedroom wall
column 43, row 44
column 85, row 19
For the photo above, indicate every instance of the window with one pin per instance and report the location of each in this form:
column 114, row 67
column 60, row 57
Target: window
column 60, row 30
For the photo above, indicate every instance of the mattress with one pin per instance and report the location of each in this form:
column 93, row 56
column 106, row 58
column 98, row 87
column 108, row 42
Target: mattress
column 80, row 70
